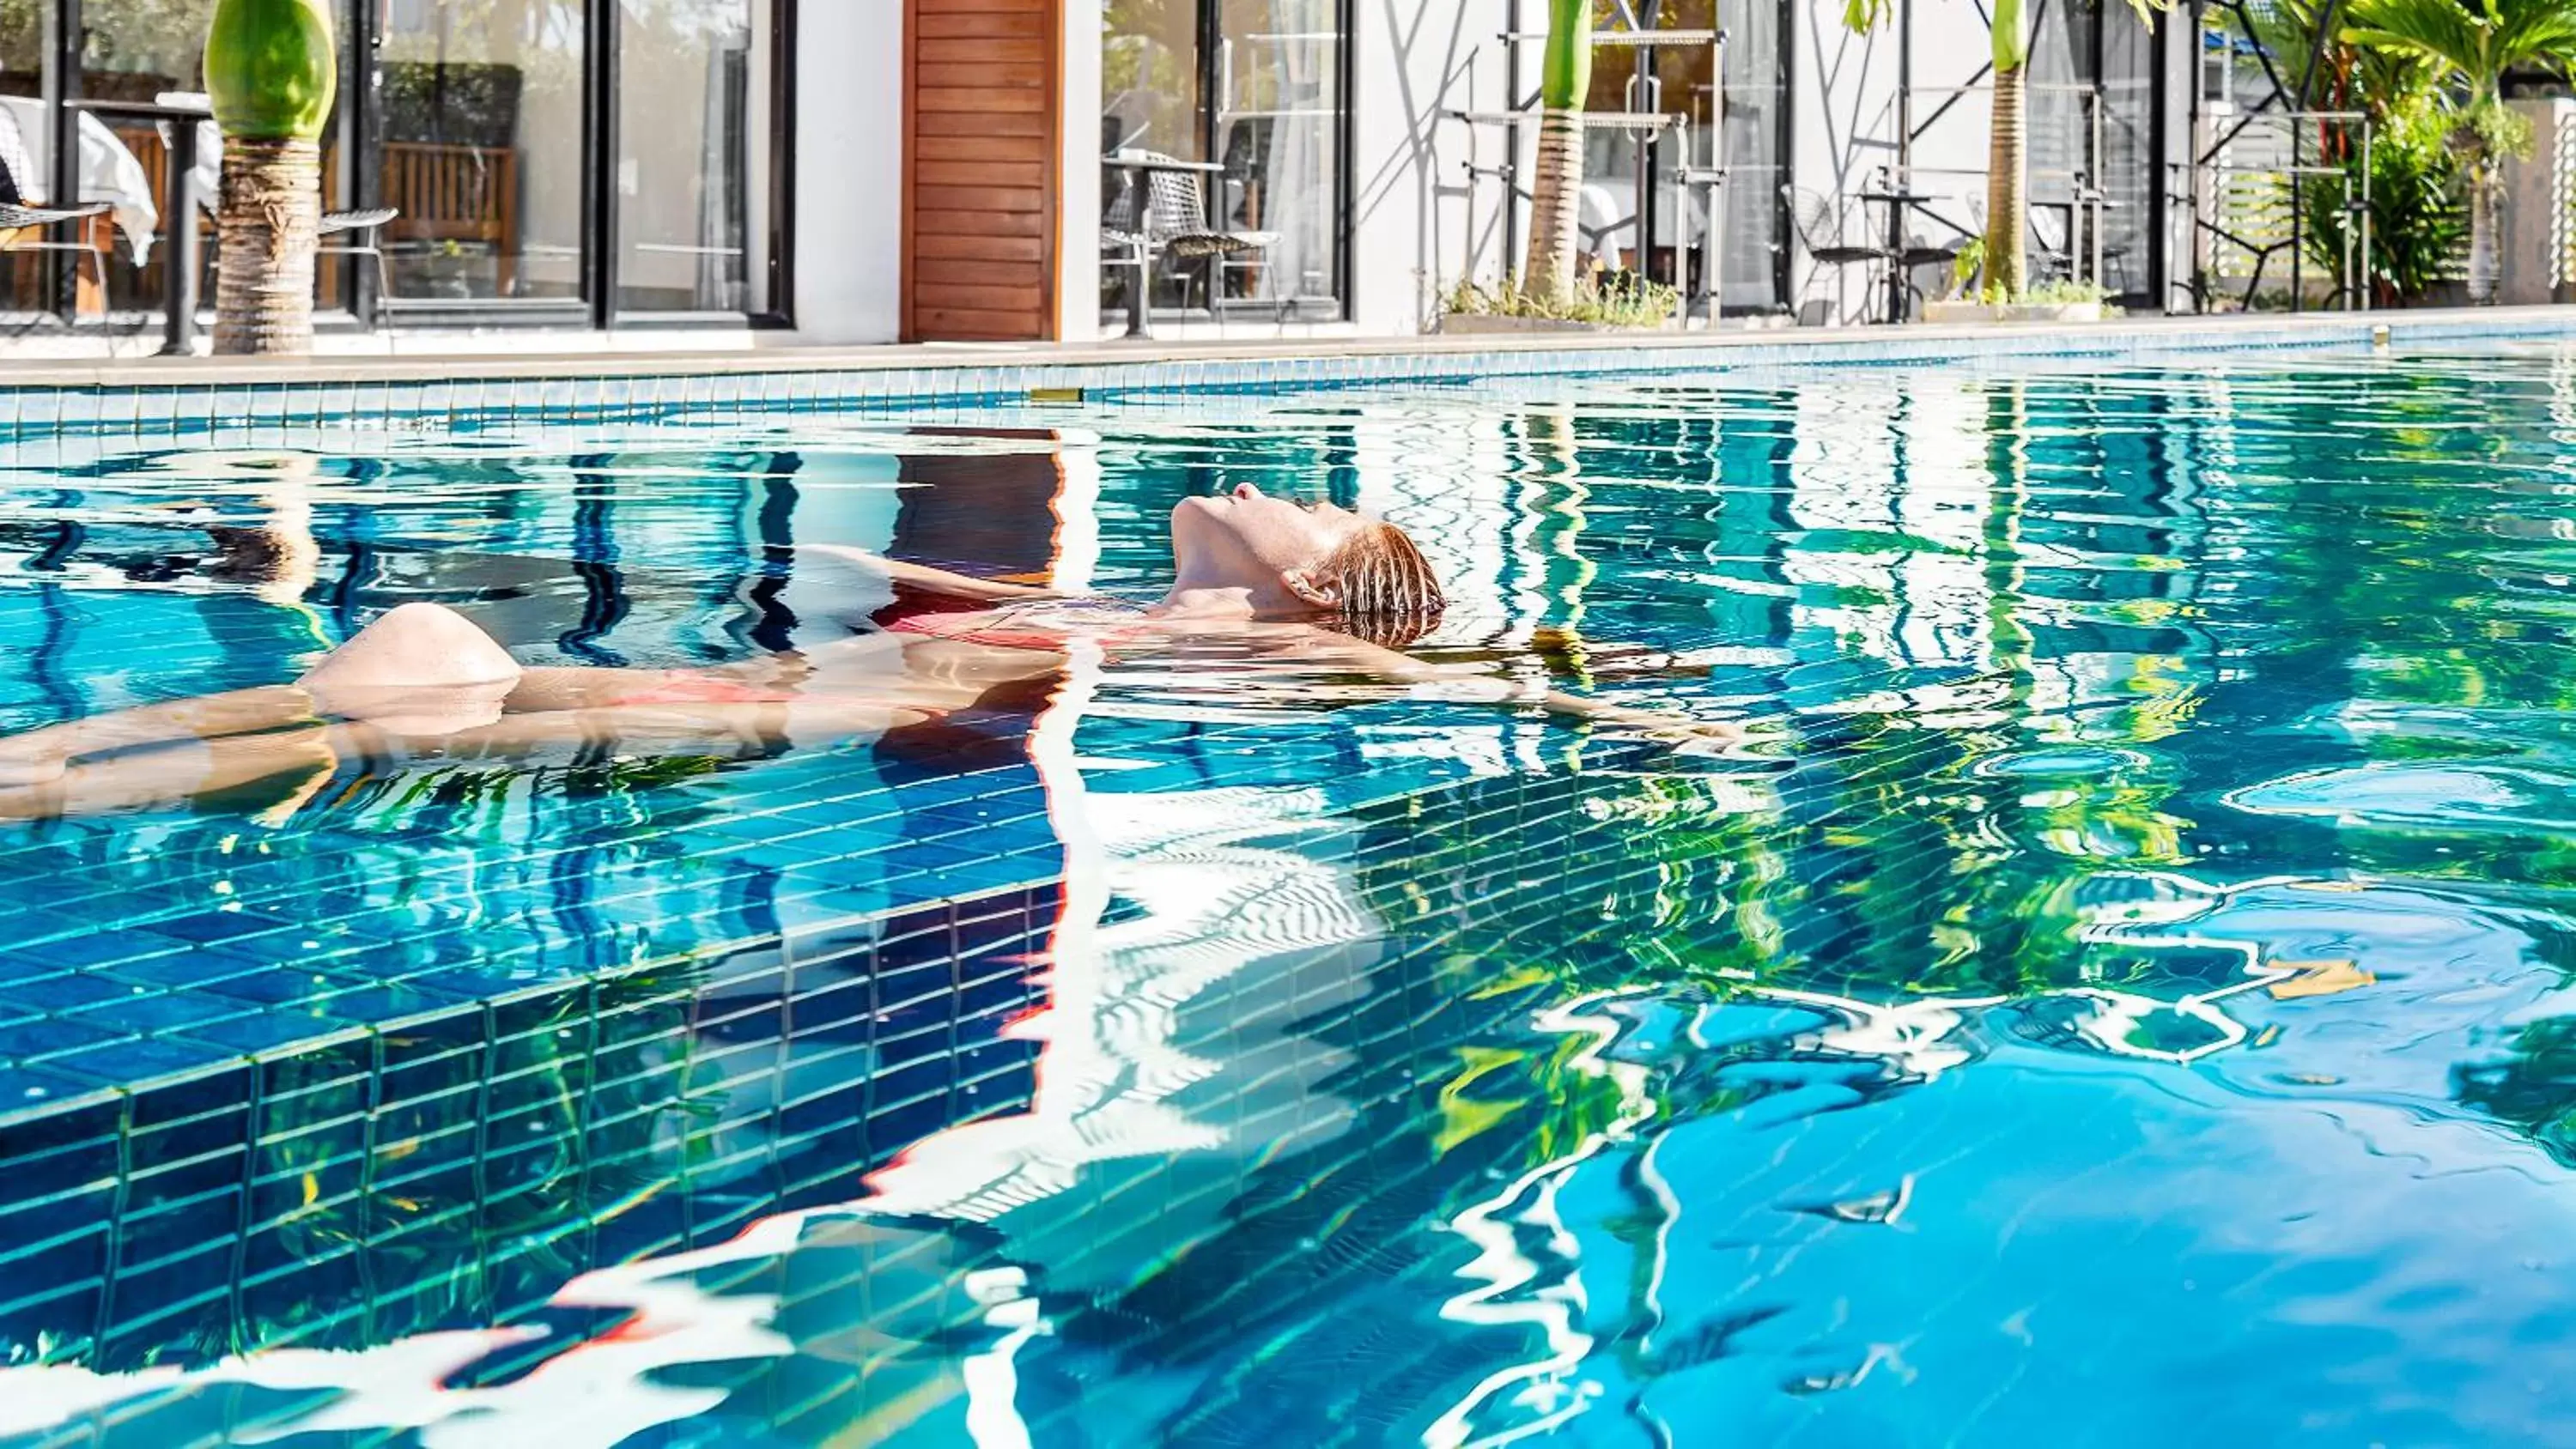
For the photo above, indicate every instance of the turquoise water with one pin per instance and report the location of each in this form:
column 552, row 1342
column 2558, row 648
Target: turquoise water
column 2123, row 996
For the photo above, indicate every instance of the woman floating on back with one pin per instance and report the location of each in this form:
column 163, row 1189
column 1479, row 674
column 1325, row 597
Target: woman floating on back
column 1293, row 588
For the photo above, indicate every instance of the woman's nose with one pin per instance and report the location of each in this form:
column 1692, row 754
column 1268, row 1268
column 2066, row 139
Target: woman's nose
column 1246, row 490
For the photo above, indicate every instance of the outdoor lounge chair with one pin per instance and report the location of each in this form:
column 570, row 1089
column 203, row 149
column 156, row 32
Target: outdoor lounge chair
column 1157, row 214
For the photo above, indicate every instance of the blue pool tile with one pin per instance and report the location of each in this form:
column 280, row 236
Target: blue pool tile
column 25, row 1088
column 284, row 987
column 209, row 927
column 34, row 1040
column 99, row 948
column 153, row 1011
column 292, row 946
column 50, row 994
column 182, row 968
column 139, row 1060
column 267, row 1030
column 389, row 1003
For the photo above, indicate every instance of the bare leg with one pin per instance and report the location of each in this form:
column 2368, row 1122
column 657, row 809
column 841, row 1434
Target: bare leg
column 179, row 773
column 420, row 668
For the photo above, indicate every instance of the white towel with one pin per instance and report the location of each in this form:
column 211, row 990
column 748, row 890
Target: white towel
column 108, row 172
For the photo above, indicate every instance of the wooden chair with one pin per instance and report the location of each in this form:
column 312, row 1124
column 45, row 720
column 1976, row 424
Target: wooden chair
column 450, row 193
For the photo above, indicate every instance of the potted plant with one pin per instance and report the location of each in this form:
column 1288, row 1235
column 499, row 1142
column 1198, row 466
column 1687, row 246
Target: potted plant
column 1603, row 302
column 2048, row 302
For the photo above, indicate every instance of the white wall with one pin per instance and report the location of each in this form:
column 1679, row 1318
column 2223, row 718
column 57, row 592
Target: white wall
column 1413, row 227
column 1417, row 231
column 849, row 171
column 1077, row 296
column 1845, row 127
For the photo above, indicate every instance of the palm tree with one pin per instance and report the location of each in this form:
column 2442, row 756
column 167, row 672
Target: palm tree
column 272, row 70
column 2007, row 156
column 2007, row 147
column 2469, row 46
column 1565, row 82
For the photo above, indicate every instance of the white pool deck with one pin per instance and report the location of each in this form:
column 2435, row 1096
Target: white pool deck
column 504, row 358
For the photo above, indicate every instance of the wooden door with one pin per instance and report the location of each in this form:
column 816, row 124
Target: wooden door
column 983, row 149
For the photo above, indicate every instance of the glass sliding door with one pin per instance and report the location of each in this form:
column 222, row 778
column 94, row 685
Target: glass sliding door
column 1254, row 89
column 2057, row 127
column 695, row 137
column 1753, row 256
column 1685, row 77
column 1278, row 128
column 137, row 51
column 480, row 138
column 2124, row 163
column 1149, row 83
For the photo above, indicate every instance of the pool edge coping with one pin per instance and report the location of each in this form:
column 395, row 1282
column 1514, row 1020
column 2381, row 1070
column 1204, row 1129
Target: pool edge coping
column 1558, row 351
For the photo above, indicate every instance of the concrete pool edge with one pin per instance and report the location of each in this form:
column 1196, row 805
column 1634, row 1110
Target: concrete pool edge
column 139, row 397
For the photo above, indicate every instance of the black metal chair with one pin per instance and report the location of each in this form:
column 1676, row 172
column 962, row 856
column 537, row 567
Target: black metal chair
column 1157, row 214
column 2052, row 234
column 1940, row 251
column 1826, row 231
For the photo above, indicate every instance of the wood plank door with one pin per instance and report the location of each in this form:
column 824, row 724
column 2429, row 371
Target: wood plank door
column 983, row 90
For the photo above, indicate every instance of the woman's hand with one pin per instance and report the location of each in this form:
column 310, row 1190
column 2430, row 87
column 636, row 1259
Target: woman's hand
column 1692, row 736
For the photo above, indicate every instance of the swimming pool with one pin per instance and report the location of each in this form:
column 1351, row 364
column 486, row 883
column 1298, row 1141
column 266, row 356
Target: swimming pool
column 2124, row 998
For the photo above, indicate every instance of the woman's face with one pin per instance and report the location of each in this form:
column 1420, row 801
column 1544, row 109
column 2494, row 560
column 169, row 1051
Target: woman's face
column 1245, row 539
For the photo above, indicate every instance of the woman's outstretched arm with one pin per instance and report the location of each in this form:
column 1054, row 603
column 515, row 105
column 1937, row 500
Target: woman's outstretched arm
column 922, row 576
column 1480, row 684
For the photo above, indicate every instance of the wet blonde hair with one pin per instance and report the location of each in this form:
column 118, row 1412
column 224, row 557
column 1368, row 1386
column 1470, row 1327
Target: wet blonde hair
column 1389, row 595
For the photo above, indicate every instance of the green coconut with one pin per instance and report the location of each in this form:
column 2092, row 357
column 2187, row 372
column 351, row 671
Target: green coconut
column 272, row 68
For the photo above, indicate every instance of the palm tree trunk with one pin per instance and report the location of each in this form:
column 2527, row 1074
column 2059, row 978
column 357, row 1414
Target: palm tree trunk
column 1556, row 188
column 2484, row 220
column 266, row 235
column 2007, row 215
column 1555, row 198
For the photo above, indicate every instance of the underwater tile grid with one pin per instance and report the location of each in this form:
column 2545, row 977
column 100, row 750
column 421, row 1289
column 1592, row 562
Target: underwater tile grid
column 2125, row 994
column 571, row 1128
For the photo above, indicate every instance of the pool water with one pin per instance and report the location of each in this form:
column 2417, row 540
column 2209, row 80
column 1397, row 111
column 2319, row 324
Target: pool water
column 2122, row 994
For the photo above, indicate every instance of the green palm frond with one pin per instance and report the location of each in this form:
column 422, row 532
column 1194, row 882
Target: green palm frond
column 2471, row 44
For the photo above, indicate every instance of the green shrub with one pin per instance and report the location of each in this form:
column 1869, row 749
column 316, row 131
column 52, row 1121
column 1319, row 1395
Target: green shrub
column 2418, row 222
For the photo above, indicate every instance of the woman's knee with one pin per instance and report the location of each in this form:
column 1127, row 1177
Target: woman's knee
column 402, row 663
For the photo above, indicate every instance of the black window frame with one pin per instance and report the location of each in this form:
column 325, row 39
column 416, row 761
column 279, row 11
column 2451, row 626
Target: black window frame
column 1209, row 34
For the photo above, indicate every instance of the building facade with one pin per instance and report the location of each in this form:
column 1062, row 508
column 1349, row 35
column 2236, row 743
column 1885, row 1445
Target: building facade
column 857, row 171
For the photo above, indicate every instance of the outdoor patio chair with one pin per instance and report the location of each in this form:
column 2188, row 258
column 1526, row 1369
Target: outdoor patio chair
column 1832, row 233
column 2051, row 257
column 362, row 227
column 18, row 218
column 1154, row 215
column 1941, row 238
